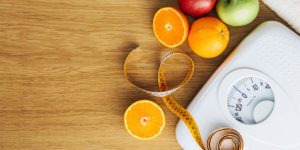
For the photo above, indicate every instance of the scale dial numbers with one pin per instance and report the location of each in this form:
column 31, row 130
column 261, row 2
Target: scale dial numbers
column 250, row 100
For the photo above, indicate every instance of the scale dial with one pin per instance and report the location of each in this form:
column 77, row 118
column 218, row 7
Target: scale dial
column 250, row 100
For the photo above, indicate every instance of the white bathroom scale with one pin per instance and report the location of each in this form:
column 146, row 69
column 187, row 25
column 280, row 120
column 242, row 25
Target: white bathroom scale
column 256, row 91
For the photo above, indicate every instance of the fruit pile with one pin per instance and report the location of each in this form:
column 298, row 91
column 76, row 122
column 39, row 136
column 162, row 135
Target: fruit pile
column 208, row 36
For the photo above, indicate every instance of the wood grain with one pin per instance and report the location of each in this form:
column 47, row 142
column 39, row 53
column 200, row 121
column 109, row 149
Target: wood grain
column 61, row 77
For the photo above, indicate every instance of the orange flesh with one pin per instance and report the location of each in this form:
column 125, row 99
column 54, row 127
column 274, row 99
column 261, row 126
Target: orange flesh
column 144, row 120
column 170, row 26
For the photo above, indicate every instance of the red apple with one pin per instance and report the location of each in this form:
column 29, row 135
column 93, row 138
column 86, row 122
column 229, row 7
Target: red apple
column 196, row 8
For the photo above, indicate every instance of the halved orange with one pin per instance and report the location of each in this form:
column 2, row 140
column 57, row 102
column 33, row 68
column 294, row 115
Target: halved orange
column 170, row 26
column 144, row 120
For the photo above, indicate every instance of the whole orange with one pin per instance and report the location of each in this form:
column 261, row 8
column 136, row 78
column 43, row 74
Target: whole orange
column 208, row 37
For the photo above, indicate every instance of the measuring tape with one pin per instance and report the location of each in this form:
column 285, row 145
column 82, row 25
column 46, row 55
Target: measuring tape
column 218, row 137
column 166, row 94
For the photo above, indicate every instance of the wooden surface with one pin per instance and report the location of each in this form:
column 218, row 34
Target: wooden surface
column 61, row 77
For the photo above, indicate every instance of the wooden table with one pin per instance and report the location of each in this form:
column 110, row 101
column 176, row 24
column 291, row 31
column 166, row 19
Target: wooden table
column 61, row 77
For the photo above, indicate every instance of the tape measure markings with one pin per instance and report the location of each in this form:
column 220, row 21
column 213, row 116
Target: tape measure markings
column 166, row 94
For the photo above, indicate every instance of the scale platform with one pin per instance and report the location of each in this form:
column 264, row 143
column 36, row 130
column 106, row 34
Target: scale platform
column 256, row 91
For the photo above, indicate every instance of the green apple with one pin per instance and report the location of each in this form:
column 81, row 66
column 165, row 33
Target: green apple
column 237, row 12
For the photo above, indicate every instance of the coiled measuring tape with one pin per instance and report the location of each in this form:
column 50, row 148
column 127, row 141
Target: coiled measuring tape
column 165, row 93
column 218, row 137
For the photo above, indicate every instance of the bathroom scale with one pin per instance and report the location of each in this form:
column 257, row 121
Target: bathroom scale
column 256, row 91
